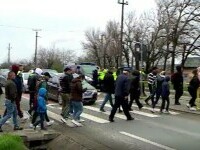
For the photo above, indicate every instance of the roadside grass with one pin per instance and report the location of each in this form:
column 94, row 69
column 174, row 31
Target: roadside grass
column 11, row 142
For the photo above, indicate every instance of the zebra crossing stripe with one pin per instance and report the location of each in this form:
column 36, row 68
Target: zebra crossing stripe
column 140, row 113
column 93, row 118
column 107, row 113
column 156, row 109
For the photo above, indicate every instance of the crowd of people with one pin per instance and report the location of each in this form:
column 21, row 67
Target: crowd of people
column 126, row 88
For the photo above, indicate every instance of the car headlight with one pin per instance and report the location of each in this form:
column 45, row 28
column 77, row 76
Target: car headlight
column 88, row 78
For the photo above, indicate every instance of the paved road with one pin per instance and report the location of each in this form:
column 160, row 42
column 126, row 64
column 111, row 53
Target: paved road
column 177, row 130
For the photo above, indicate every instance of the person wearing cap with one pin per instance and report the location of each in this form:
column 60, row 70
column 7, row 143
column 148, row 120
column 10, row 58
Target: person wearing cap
column 122, row 88
column 65, row 83
column 33, row 80
column 42, row 84
column 76, row 98
column 177, row 81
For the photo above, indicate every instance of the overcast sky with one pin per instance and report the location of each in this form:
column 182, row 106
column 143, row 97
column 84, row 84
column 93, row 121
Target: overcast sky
column 62, row 22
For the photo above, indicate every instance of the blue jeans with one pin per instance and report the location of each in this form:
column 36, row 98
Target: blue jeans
column 108, row 96
column 78, row 109
column 11, row 112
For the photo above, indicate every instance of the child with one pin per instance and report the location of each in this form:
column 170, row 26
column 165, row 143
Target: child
column 165, row 94
column 41, row 108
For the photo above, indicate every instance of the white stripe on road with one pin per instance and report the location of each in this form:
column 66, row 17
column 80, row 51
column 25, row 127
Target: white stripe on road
column 93, row 118
column 107, row 113
column 147, row 141
column 140, row 113
column 156, row 109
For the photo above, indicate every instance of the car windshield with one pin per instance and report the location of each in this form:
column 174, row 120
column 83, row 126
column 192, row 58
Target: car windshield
column 85, row 84
column 88, row 69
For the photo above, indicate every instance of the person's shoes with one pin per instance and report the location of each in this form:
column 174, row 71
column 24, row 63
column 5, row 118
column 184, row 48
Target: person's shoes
column 31, row 126
column 193, row 109
column 166, row 112
column 177, row 103
column 129, row 119
column 147, row 102
column 102, row 110
column 18, row 128
column 111, row 119
column 77, row 123
column 140, row 107
column 152, row 110
column 50, row 122
column 43, row 128
column 188, row 105
column 81, row 120
column 120, row 111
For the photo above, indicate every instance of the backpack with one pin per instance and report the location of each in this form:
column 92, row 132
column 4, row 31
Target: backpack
column 32, row 79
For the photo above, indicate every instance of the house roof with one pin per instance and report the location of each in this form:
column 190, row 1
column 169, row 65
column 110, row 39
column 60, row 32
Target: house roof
column 192, row 62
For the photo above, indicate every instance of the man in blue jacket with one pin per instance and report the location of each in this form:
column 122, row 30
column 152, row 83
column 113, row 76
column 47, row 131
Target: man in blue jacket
column 121, row 95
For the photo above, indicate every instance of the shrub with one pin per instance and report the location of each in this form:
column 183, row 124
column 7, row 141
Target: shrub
column 11, row 142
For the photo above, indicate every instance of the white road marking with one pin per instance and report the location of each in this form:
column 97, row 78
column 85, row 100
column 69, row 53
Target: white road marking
column 139, row 113
column 107, row 113
column 58, row 118
column 156, row 109
column 146, row 141
column 93, row 118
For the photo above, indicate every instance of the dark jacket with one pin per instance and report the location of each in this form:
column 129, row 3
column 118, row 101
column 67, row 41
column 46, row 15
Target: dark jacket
column 177, row 80
column 122, row 86
column 165, row 87
column 10, row 90
column 65, row 83
column 109, row 83
column 76, row 90
column 41, row 104
column 32, row 82
column 19, row 83
column 135, row 84
column 194, row 84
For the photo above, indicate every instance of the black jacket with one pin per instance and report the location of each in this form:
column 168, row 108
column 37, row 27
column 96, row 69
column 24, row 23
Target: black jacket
column 135, row 84
column 122, row 86
column 109, row 83
column 177, row 80
column 194, row 83
column 65, row 83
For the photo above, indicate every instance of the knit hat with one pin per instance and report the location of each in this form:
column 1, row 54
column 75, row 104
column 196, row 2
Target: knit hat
column 15, row 68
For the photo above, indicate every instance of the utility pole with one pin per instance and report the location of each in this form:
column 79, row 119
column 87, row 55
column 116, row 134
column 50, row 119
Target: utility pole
column 9, row 48
column 122, row 27
column 104, row 51
column 36, row 41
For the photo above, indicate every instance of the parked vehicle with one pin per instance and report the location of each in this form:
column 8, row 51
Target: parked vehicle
column 25, row 76
column 89, row 96
column 2, row 80
column 4, row 72
column 86, row 70
column 50, row 71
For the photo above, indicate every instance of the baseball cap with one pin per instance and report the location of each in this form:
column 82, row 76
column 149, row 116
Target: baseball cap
column 38, row 71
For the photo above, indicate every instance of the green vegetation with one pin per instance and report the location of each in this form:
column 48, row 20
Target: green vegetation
column 11, row 142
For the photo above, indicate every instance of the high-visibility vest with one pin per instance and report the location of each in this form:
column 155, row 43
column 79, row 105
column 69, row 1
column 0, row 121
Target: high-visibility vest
column 115, row 75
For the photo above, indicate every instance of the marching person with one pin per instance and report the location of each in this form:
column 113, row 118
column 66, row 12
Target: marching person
column 177, row 81
column 76, row 98
column 152, row 87
column 135, row 89
column 10, row 102
column 41, row 108
column 122, row 88
column 165, row 95
column 109, row 88
column 65, row 83
column 192, row 89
